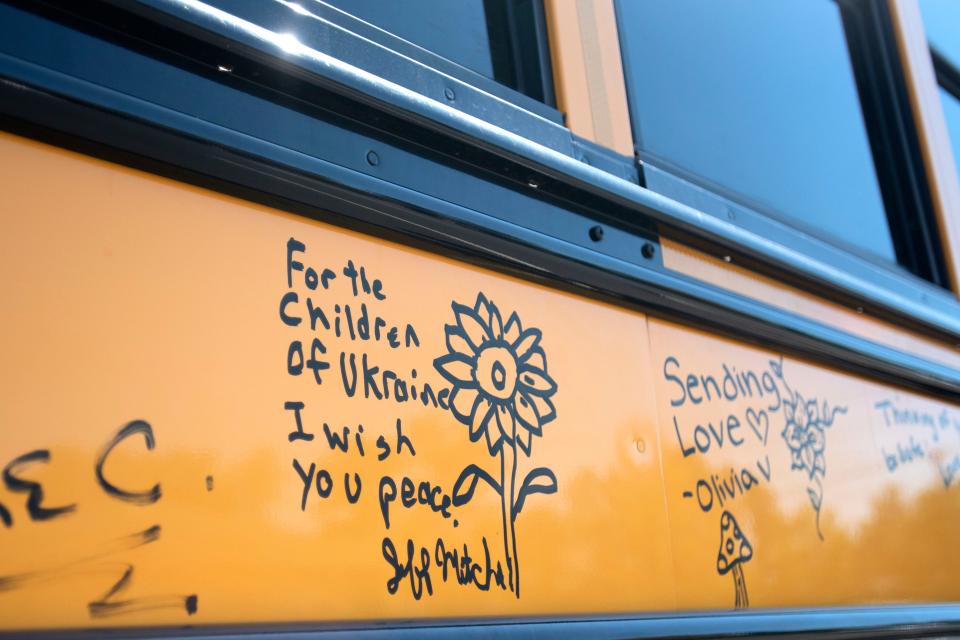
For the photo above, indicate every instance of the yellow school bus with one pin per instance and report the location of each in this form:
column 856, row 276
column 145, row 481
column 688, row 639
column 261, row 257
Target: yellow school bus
column 551, row 318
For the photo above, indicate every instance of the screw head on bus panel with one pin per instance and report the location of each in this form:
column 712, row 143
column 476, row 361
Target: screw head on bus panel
column 449, row 94
column 648, row 250
column 596, row 233
column 372, row 158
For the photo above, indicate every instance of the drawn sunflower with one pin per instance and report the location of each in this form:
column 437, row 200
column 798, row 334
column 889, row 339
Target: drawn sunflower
column 499, row 376
column 501, row 390
column 804, row 437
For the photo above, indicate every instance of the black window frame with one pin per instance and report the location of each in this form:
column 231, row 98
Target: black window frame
column 897, row 158
column 894, row 138
column 523, row 64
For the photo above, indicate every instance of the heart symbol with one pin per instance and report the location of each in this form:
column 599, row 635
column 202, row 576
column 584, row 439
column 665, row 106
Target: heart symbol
column 759, row 421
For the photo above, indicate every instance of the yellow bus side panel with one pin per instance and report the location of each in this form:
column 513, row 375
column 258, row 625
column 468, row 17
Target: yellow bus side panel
column 180, row 446
column 130, row 297
column 844, row 489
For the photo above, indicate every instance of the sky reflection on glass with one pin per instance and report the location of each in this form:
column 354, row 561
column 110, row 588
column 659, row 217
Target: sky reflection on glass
column 951, row 112
column 941, row 21
column 454, row 29
column 760, row 99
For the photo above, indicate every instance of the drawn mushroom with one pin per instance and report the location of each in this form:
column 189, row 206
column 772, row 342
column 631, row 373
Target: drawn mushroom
column 735, row 550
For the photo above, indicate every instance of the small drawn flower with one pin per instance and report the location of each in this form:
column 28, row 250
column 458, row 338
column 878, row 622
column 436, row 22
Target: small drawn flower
column 499, row 375
column 804, row 427
column 804, row 437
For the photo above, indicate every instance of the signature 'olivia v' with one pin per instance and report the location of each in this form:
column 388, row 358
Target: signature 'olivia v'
column 502, row 392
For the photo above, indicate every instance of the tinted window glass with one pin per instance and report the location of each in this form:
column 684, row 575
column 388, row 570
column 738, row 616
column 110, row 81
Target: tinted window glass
column 951, row 111
column 504, row 40
column 455, row 30
column 941, row 20
column 757, row 99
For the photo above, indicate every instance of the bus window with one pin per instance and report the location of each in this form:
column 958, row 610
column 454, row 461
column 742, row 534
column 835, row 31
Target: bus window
column 941, row 20
column 951, row 111
column 501, row 39
column 732, row 97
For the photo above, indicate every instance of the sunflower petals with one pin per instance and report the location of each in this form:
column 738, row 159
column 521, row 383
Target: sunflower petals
column 482, row 305
column 457, row 368
column 463, row 401
column 545, row 408
column 536, row 359
column 473, row 327
column 494, row 441
column 527, row 341
column 512, row 330
column 457, row 341
column 527, row 413
column 477, row 328
column 480, row 417
column 505, row 423
column 490, row 314
column 525, row 441
column 537, row 381
column 496, row 322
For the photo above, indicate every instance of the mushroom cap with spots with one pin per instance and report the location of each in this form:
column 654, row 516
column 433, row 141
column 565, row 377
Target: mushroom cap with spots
column 734, row 546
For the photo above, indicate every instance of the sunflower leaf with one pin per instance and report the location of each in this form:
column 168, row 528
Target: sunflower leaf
column 539, row 480
column 469, row 477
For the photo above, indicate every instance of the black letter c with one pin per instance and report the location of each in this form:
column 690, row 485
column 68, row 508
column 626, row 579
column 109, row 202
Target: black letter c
column 136, row 497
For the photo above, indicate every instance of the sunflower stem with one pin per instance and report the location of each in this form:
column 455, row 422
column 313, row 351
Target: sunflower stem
column 513, row 531
column 505, row 512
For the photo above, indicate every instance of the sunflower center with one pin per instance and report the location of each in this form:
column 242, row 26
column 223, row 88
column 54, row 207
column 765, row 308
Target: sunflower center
column 496, row 372
column 499, row 375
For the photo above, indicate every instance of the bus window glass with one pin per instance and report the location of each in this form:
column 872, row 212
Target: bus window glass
column 504, row 40
column 951, row 111
column 455, row 30
column 758, row 101
column 941, row 21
